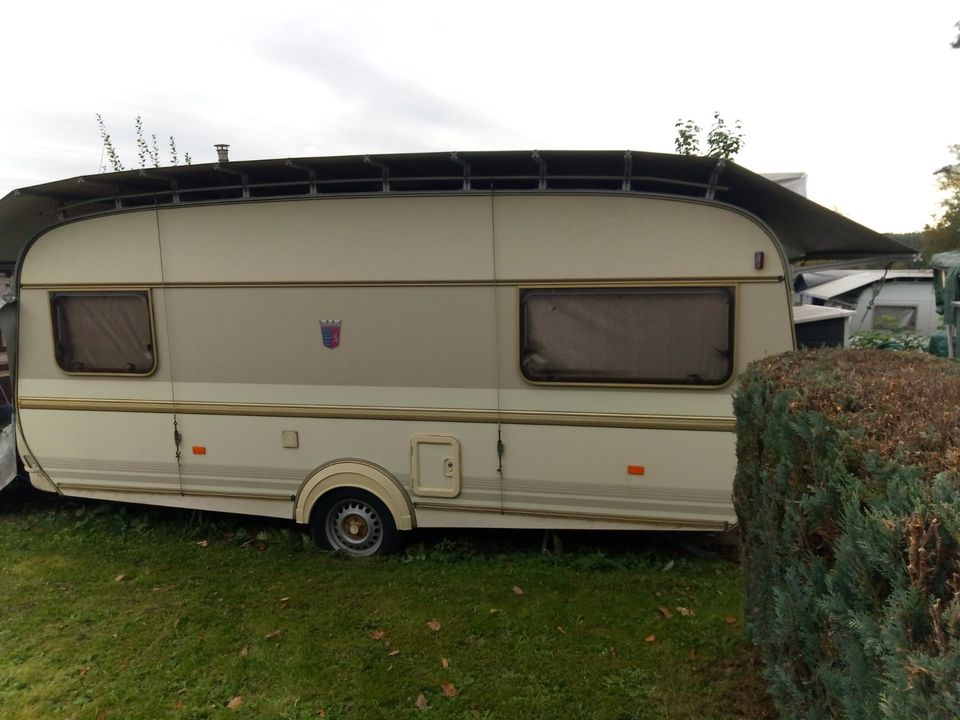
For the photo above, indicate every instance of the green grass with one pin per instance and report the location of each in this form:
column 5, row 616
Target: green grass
column 112, row 611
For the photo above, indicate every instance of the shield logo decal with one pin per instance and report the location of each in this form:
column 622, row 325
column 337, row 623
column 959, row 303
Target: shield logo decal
column 330, row 330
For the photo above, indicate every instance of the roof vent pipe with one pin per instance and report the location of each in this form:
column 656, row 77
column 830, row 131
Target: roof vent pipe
column 222, row 152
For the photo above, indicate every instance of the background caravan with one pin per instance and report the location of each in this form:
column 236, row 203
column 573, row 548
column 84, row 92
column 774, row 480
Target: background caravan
column 502, row 339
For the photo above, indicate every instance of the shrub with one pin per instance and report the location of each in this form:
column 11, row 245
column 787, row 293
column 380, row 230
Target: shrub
column 848, row 497
column 889, row 340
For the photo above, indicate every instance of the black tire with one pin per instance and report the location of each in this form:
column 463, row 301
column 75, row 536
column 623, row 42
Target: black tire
column 354, row 523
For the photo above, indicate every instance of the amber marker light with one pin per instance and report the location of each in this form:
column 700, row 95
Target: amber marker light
column 199, row 450
column 636, row 469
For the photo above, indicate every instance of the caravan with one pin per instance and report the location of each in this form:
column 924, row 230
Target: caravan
column 371, row 345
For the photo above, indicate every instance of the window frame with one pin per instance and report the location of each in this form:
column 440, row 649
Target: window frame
column 896, row 306
column 143, row 292
column 731, row 287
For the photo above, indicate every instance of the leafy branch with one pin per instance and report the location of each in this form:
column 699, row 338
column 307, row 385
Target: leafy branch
column 723, row 141
column 148, row 151
column 112, row 157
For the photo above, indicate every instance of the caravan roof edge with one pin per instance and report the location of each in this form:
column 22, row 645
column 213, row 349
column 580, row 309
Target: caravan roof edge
column 806, row 229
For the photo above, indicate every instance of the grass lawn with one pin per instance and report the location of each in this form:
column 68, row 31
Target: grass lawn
column 112, row 611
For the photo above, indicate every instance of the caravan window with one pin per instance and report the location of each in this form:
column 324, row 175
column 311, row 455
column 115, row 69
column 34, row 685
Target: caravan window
column 639, row 335
column 103, row 332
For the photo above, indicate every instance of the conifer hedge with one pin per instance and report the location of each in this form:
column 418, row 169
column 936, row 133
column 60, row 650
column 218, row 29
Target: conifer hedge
column 848, row 496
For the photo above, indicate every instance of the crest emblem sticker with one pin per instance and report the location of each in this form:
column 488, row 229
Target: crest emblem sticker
column 330, row 330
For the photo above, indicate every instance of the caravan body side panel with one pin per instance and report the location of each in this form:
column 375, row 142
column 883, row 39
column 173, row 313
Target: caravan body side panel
column 426, row 293
column 82, row 449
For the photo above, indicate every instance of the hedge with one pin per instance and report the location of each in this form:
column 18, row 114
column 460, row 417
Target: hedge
column 848, row 497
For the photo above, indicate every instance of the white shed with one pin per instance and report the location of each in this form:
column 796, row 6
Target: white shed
column 901, row 297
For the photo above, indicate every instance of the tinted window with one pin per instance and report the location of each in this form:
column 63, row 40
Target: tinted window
column 671, row 336
column 103, row 332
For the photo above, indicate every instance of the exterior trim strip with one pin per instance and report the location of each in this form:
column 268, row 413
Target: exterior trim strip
column 363, row 412
column 679, row 522
column 558, row 282
column 284, row 497
column 687, row 523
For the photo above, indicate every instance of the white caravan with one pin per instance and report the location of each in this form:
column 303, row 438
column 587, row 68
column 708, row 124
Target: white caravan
column 371, row 345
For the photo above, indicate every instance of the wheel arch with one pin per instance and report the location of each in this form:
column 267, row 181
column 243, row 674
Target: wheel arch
column 360, row 474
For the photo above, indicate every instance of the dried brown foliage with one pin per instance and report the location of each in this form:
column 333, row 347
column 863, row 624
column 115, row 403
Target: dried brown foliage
column 905, row 406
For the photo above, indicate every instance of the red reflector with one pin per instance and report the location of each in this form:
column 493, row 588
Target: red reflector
column 636, row 469
column 199, row 450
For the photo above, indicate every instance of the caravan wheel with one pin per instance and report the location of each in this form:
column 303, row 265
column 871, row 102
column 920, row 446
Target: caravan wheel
column 355, row 523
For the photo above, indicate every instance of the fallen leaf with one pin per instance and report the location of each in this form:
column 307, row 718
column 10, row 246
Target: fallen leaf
column 244, row 651
column 686, row 612
column 434, row 625
column 517, row 590
column 668, row 567
column 392, row 653
column 449, row 690
column 731, row 620
column 84, row 670
column 651, row 639
column 272, row 635
column 444, row 663
column 378, row 634
column 421, row 701
column 203, row 543
column 235, row 702
column 121, row 578
column 321, row 712
column 494, row 611
column 283, row 601
column 665, row 612
column 561, row 630
column 179, row 705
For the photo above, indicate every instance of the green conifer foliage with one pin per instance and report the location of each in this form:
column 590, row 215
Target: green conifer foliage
column 848, row 495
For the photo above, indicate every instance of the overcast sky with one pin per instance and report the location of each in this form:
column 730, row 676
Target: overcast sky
column 862, row 96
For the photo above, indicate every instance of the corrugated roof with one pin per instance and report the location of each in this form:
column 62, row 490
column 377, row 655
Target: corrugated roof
column 842, row 286
column 855, row 281
column 807, row 230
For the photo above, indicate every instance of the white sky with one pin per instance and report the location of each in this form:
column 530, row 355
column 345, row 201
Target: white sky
column 860, row 95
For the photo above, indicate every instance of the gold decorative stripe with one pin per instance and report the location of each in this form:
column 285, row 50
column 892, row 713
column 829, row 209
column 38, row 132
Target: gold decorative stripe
column 506, row 282
column 614, row 420
column 144, row 406
column 414, row 414
column 684, row 523
column 172, row 490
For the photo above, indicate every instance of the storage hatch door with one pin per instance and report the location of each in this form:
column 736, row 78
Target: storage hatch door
column 435, row 465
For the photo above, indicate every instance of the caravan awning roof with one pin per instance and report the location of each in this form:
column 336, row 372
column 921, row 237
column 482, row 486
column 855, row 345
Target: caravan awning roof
column 807, row 230
column 946, row 260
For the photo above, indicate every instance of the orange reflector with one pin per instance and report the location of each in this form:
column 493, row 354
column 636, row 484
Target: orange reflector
column 636, row 469
column 199, row 450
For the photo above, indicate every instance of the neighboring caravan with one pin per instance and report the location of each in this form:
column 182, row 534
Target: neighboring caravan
column 512, row 339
